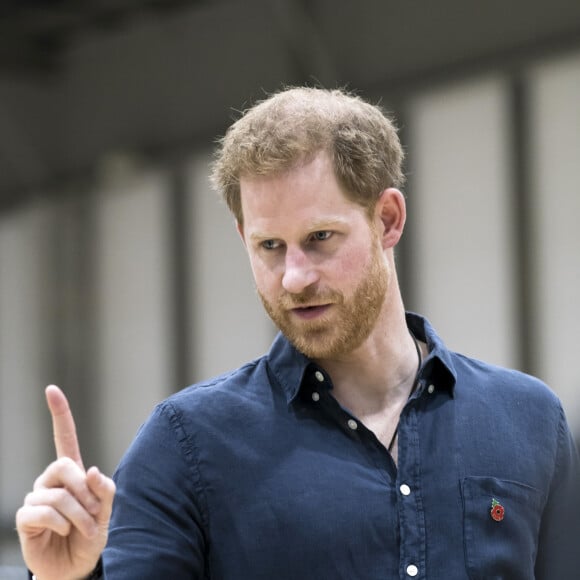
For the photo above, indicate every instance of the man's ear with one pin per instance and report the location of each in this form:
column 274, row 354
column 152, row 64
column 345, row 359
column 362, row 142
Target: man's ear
column 390, row 216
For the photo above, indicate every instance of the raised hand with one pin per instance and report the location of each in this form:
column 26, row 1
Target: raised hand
column 63, row 524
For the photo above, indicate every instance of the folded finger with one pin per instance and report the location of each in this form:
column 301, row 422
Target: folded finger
column 33, row 520
column 65, row 474
column 56, row 509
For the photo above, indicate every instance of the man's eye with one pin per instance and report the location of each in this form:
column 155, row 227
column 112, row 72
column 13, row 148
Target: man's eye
column 322, row 235
column 270, row 244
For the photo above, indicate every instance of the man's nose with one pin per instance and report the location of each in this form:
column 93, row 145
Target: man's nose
column 299, row 271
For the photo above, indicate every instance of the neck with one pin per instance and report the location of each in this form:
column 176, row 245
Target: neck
column 381, row 372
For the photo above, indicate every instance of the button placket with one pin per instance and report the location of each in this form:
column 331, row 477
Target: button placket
column 412, row 530
column 315, row 395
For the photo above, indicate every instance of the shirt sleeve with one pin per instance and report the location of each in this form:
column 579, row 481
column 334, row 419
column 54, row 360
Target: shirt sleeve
column 157, row 527
column 559, row 542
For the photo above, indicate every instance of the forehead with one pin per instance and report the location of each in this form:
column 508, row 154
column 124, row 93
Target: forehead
column 298, row 202
column 307, row 187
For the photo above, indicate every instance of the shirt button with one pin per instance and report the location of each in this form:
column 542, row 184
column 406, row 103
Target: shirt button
column 352, row 424
column 431, row 389
column 412, row 570
column 319, row 376
column 315, row 396
column 405, row 489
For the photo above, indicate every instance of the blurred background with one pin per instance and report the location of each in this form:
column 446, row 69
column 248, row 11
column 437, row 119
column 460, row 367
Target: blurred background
column 121, row 275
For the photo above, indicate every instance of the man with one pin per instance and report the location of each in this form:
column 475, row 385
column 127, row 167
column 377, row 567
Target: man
column 359, row 447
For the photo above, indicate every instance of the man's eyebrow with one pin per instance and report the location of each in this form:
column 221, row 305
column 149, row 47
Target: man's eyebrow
column 259, row 236
column 325, row 224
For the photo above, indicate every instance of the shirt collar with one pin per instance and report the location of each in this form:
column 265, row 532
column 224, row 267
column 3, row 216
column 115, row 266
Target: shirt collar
column 287, row 365
column 290, row 368
column 438, row 366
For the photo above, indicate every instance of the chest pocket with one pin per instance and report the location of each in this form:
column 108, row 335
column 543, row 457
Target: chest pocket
column 501, row 522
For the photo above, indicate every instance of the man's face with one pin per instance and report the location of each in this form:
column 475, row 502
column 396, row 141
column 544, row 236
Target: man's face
column 317, row 260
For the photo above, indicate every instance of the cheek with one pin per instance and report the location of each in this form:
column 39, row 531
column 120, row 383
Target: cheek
column 351, row 266
column 264, row 277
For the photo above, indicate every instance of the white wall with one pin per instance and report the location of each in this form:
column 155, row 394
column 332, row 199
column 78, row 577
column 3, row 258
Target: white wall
column 228, row 325
column 133, row 340
column 459, row 185
column 25, row 300
column 555, row 164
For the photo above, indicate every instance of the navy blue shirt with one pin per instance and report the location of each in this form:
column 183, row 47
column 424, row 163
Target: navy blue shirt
column 261, row 475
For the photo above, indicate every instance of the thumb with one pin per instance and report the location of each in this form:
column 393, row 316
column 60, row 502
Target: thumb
column 104, row 489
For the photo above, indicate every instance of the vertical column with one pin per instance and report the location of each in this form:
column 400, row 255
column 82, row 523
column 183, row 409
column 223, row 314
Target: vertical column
column 459, row 162
column 25, row 357
column 132, row 296
column 228, row 324
column 555, row 162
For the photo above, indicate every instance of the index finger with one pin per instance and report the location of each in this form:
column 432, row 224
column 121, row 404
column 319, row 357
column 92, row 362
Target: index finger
column 63, row 426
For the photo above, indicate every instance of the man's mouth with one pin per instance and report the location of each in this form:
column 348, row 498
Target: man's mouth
column 310, row 312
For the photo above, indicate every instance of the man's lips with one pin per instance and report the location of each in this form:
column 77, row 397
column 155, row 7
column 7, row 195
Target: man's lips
column 311, row 311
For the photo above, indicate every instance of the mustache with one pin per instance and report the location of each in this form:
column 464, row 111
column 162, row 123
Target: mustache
column 308, row 297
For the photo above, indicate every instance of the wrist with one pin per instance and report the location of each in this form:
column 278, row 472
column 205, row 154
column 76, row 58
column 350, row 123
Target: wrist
column 96, row 574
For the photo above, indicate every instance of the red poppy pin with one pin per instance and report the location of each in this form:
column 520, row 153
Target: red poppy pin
column 497, row 510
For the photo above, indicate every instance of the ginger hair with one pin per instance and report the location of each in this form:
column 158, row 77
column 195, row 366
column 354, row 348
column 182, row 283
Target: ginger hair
column 292, row 126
